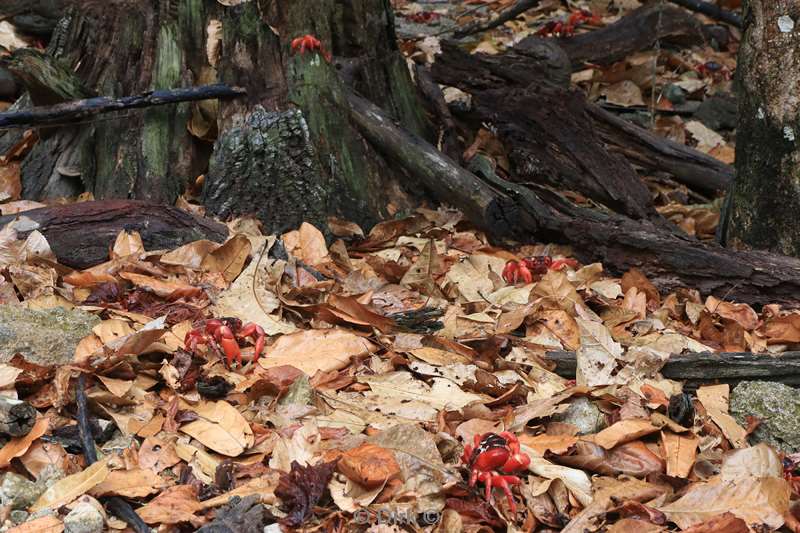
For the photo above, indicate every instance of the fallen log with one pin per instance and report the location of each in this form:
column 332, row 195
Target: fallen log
column 544, row 127
column 80, row 110
column 509, row 210
column 16, row 417
column 538, row 72
column 708, row 367
column 81, row 234
column 636, row 31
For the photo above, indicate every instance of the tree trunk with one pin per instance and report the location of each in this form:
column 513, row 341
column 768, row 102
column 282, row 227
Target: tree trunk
column 765, row 198
column 285, row 152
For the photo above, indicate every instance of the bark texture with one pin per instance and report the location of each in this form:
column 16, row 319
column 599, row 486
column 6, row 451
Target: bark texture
column 286, row 152
column 765, row 198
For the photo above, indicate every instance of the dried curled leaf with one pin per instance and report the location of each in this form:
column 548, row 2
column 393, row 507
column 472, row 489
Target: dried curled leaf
column 300, row 490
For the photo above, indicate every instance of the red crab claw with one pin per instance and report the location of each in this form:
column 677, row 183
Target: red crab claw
column 510, row 272
column 517, row 460
column 229, row 345
column 559, row 264
column 255, row 332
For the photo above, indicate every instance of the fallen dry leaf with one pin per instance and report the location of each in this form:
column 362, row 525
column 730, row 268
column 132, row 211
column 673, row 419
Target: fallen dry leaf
column 680, row 452
column 624, row 431
column 220, row 427
column 71, row 487
column 316, row 350
column 19, row 445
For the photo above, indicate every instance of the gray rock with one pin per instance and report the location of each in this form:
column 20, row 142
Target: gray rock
column 19, row 492
column 84, row 518
column 44, row 337
column 674, row 94
column 778, row 408
column 583, row 414
column 18, row 516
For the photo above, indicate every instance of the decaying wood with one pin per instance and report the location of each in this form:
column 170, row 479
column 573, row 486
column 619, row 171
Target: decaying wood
column 535, row 74
column 78, row 110
column 545, row 130
column 16, row 417
column 645, row 149
column 706, row 367
column 510, row 210
column 638, row 30
column 81, row 234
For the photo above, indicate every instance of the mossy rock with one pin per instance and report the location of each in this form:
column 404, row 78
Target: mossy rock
column 776, row 405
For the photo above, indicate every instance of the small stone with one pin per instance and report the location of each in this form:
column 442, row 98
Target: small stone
column 18, row 516
column 776, row 405
column 674, row 94
column 785, row 23
column 84, row 518
column 19, row 492
column 584, row 415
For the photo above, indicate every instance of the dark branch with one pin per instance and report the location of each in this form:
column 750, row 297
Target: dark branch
column 698, row 368
column 79, row 110
column 511, row 13
column 710, row 10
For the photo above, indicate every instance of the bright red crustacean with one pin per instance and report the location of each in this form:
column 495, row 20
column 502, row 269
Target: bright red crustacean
column 530, row 268
column 561, row 28
column 492, row 459
column 309, row 43
column 223, row 335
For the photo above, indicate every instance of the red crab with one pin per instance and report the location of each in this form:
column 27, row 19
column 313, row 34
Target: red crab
column 714, row 70
column 530, row 267
column 492, row 459
column 224, row 334
column 309, row 43
column 560, row 28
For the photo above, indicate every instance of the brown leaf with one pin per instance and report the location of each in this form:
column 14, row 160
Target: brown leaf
column 19, row 445
column 173, row 506
column 680, row 451
column 715, row 400
column 742, row 314
column 316, row 350
column 67, row 489
column 754, row 500
column 563, row 326
column 557, row 444
column 307, row 244
column 624, row 431
column 722, row 523
column 635, row 278
column 351, row 310
column 557, row 292
column 229, row 258
column 220, row 427
column 127, row 244
column 631, row 459
column 160, row 287
column 300, row 490
column 369, row 465
column 45, row 524
column 136, row 483
column 782, row 329
column 189, row 255
column 10, row 185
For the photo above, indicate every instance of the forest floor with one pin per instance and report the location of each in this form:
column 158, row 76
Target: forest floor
column 387, row 352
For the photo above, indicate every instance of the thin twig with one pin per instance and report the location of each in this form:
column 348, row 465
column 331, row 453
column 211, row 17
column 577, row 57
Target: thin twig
column 115, row 504
column 710, row 10
column 511, row 13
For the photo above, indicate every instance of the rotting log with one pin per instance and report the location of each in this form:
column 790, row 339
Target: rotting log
column 508, row 210
column 537, row 72
column 708, row 367
column 81, row 234
column 638, row 30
